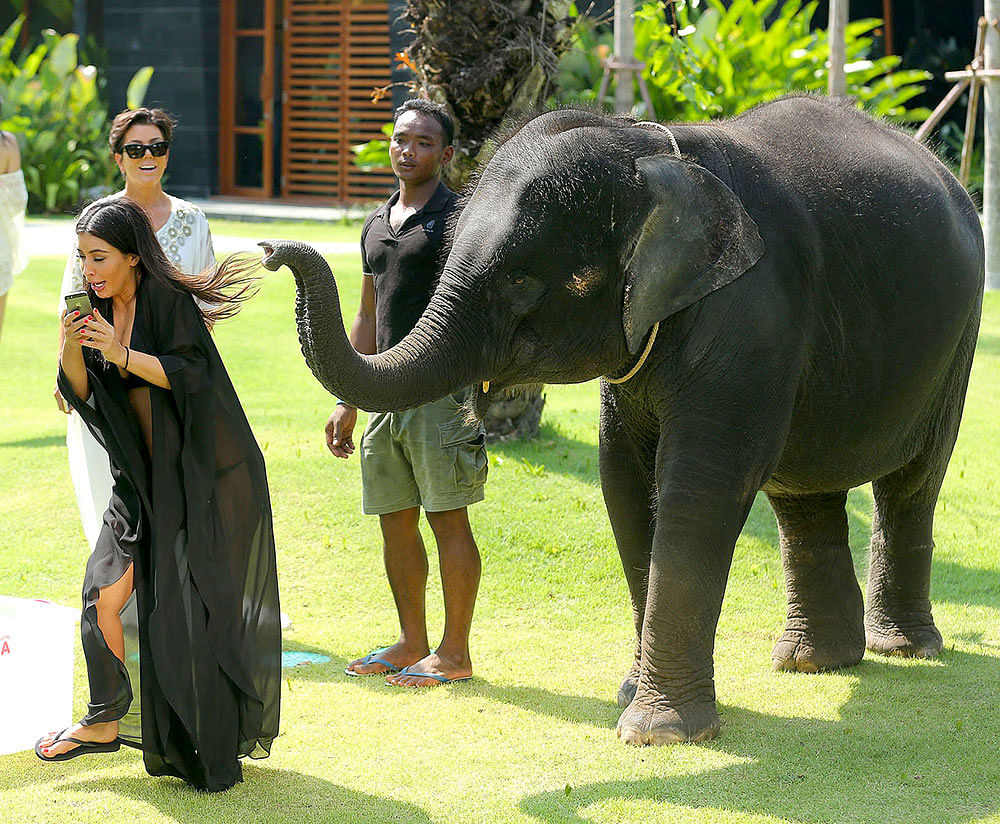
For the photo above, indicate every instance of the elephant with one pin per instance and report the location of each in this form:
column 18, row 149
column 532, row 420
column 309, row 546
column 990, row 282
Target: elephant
column 787, row 301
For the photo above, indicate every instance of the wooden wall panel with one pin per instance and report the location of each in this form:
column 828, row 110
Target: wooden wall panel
column 335, row 53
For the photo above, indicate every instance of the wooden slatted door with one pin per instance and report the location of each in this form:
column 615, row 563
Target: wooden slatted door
column 246, row 97
column 335, row 52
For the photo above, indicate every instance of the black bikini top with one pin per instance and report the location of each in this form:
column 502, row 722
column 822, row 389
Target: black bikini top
column 130, row 380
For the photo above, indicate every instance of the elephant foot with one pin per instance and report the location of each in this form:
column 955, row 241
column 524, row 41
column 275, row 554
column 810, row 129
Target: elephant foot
column 800, row 651
column 922, row 641
column 649, row 720
column 626, row 692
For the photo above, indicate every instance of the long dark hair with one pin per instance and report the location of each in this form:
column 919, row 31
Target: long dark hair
column 124, row 224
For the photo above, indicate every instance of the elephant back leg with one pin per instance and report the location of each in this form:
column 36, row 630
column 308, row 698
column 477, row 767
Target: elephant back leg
column 824, row 625
column 898, row 618
column 627, row 457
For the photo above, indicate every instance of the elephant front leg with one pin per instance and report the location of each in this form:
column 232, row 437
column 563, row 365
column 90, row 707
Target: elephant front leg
column 627, row 459
column 692, row 552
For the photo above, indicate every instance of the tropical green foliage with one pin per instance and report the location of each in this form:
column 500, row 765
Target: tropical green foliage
column 374, row 154
column 719, row 61
column 55, row 106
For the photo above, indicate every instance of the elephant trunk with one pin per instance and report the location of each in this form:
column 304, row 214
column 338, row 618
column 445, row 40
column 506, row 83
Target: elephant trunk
column 426, row 365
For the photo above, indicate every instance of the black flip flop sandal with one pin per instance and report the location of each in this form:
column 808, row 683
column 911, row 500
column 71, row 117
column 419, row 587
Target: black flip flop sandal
column 82, row 748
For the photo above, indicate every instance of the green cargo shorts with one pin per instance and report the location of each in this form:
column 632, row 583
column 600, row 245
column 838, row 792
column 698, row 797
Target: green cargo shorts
column 426, row 457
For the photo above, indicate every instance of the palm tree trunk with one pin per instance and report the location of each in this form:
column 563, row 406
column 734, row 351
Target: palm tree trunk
column 487, row 61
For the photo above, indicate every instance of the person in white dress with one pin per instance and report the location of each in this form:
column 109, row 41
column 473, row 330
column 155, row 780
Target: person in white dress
column 13, row 201
column 140, row 142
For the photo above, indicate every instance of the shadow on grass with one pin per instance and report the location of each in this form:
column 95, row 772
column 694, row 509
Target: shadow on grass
column 913, row 743
column 35, row 443
column 552, row 452
column 25, row 769
column 575, row 709
column 265, row 795
column 962, row 584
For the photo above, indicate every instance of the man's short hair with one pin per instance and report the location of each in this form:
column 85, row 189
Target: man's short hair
column 431, row 109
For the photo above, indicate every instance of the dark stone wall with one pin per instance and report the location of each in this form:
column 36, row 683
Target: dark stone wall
column 180, row 39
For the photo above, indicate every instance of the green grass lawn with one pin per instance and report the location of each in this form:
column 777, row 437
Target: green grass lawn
column 531, row 738
column 346, row 231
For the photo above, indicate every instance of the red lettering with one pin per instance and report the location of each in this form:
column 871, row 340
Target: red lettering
column 5, row 649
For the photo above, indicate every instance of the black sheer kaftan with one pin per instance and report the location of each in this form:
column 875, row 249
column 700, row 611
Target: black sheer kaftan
column 194, row 517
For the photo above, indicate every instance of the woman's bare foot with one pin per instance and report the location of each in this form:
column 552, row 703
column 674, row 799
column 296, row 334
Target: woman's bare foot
column 432, row 671
column 399, row 655
column 98, row 733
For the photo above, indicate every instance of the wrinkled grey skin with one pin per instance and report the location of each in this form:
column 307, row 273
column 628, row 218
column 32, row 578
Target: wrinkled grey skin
column 817, row 278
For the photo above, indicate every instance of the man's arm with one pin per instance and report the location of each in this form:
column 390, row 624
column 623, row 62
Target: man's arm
column 363, row 329
column 340, row 424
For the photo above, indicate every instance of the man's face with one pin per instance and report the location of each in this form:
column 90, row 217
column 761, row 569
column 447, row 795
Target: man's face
column 417, row 149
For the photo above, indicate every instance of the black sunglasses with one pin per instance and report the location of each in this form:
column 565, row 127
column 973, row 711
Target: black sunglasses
column 137, row 150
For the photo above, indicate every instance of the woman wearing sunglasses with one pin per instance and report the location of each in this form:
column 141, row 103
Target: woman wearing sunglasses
column 140, row 142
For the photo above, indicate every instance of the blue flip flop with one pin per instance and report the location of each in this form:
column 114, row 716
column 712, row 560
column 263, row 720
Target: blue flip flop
column 442, row 678
column 373, row 658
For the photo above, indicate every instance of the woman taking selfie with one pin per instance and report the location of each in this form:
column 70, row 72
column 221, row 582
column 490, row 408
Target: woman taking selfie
column 188, row 525
column 140, row 144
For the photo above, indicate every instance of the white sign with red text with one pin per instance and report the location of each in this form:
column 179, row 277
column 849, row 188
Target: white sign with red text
column 37, row 643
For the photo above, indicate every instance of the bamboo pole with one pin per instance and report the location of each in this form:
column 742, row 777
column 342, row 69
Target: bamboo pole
column 942, row 108
column 973, row 108
column 991, row 174
column 624, row 53
column 836, row 36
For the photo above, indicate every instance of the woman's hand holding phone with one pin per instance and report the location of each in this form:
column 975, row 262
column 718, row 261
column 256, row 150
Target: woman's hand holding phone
column 99, row 334
column 73, row 327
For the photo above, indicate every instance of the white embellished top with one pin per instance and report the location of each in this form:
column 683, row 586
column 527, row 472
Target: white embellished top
column 13, row 201
column 185, row 238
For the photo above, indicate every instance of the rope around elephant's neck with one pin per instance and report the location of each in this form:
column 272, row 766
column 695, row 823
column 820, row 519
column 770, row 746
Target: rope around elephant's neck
column 642, row 357
column 642, row 124
column 656, row 326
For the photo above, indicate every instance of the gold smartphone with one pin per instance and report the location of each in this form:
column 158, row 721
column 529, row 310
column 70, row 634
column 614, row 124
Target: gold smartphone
column 79, row 301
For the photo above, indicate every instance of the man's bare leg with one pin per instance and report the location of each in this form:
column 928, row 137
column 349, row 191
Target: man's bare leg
column 109, row 605
column 460, row 573
column 406, row 567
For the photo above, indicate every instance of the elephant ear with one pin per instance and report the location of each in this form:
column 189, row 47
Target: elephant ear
column 696, row 239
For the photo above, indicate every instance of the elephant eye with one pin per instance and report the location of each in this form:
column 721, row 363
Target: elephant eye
column 523, row 291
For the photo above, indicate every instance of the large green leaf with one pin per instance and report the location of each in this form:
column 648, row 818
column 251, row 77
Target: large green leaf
column 9, row 38
column 137, row 86
column 62, row 60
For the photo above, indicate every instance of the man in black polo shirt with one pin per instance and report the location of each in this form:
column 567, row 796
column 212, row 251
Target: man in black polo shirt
column 425, row 457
